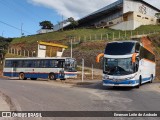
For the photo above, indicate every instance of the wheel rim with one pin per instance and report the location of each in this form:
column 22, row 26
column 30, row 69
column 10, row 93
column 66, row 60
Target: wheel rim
column 21, row 76
column 51, row 76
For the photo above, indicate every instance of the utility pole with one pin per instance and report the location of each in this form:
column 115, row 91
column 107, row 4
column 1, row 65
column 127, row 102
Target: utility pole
column 21, row 29
column 71, row 48
column 82, row 70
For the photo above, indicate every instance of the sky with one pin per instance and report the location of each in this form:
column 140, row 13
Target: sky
column 26, row 14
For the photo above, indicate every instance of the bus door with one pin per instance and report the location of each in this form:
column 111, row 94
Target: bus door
column 14, row 69
column 60, row 65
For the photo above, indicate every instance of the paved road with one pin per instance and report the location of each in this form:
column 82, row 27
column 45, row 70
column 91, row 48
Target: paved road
column 52, row 96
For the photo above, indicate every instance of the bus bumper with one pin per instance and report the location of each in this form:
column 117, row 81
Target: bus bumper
column 126, row 83
column 70, row 75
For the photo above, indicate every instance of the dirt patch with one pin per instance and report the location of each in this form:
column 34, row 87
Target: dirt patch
column 8, row 101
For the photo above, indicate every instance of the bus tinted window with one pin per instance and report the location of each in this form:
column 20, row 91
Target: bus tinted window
column 41, row 63
column 137, row 48
column 20, row 63
column 118, row 48
column 8, row 63
column 144, row 53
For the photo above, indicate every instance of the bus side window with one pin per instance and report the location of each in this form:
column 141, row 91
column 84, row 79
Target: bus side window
column 15, row 63
column 37, row 63
column 29, row 63
column 55, row 63
column 137, row 48
column 8, row 63
column 60, row 64
column 34, row 63
column 19, row 63
column 51, row 63
column 46, row 62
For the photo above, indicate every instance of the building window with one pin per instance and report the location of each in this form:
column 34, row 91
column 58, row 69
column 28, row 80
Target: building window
column 146, row 18
column 110, row 23
column 138, row 16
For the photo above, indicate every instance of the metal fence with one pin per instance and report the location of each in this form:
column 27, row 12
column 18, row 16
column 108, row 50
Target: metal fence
column 110, row 36
column 22, row 52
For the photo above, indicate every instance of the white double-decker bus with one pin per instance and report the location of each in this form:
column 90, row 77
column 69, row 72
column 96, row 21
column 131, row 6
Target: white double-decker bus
column 33, row 68
column 127, row 63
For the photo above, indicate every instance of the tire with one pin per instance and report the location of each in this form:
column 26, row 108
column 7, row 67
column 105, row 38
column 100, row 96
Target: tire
column 33, row 78
column 52, row 76
column 151, row 79
column 22, row 76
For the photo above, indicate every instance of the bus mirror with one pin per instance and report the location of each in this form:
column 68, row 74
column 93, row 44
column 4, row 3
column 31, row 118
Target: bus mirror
column 134, row 57
column 98, row 57
column 137, row 51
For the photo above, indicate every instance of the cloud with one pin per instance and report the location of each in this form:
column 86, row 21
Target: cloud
column 73, row 8
column 78, row 8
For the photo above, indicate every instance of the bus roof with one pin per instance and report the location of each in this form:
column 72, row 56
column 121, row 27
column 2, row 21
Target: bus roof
column 37, row 58
column 126, row 41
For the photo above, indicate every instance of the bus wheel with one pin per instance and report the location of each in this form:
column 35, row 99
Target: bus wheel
column 151, row 79
column 22, row 76
column 52, row 76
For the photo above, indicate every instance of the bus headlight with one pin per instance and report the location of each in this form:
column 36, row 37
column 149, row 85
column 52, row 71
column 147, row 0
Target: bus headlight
column 105, row 77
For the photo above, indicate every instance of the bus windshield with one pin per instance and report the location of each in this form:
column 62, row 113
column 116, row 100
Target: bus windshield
column 118, row 66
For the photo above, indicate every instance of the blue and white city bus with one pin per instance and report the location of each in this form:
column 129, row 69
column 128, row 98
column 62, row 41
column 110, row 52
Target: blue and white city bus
column 33, row 68
column 127, row 63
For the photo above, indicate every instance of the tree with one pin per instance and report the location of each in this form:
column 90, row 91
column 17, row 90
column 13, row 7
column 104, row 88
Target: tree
column 73, row 22
column 46, row 25
column 4, row 43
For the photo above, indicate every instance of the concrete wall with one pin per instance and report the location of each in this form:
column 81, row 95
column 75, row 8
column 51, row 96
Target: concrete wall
column 41, row 51
column 136, row 6
column 127, row 25
column 134, row 20
column 115, row 21
column 145, row 19
column 44, row 31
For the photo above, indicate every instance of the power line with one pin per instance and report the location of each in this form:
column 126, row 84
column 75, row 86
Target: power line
column 14, row 27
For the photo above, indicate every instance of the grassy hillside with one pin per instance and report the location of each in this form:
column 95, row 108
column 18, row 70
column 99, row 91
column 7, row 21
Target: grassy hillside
column 84, row 34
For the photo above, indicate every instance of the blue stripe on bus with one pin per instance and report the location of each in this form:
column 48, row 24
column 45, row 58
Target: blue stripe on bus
column 71, row 74
column 119, row 82
column 31, row 75
column 125, row 81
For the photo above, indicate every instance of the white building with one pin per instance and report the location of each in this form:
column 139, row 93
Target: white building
column 122, row 14
column 41, row 31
